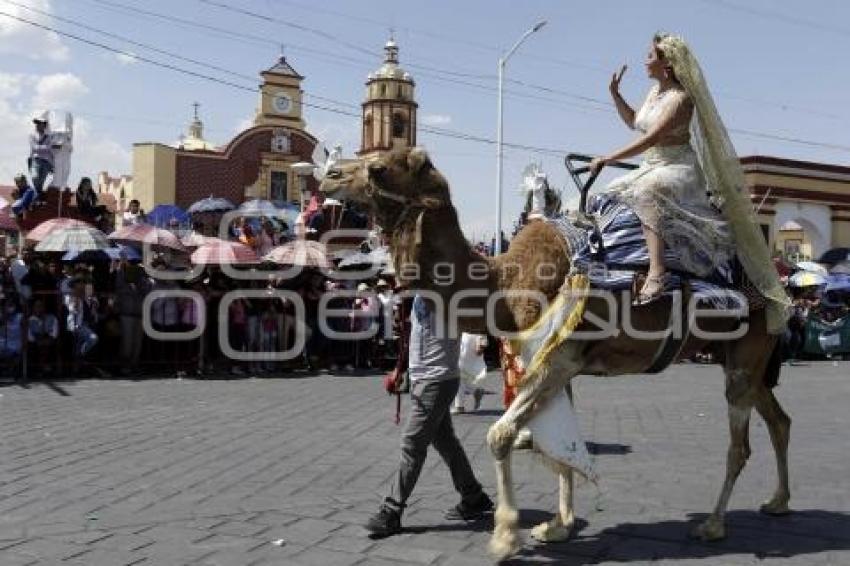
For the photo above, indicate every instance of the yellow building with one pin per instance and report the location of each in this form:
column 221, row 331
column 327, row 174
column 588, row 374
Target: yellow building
column 803, row 207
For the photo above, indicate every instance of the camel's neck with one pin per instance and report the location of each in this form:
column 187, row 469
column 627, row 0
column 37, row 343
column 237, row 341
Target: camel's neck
column 433, row 255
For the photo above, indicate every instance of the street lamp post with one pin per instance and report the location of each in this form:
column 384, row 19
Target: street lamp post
column 502, row 61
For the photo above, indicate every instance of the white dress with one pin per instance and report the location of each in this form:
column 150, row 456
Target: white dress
column 669, row 194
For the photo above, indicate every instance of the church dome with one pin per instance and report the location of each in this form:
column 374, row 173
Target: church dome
column 391, row 69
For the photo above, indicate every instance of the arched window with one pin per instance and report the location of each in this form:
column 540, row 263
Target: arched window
column 399, row 125
column 383, row 90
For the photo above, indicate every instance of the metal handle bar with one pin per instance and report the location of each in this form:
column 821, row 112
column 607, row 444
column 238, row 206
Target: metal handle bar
column 575, row 172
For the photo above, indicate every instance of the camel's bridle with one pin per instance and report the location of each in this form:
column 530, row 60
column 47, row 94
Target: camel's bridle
column 408, row 205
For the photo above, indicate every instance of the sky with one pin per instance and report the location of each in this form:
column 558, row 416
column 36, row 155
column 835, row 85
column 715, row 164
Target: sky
column 776, row 69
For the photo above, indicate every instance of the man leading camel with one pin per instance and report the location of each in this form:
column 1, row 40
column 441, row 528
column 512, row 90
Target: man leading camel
column 434, row 382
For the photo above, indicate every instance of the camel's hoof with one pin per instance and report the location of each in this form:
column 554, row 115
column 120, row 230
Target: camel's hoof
column 775, row 506
column 552, row 531
column 504, row 544
column 711, row 529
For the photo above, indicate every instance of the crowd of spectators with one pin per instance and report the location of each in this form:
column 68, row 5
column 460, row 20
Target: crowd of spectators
column 71, row 318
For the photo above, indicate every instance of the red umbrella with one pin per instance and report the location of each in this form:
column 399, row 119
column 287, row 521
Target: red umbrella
column 147, row 234
column 220, row 252
column 44, row 229
column 303, row 253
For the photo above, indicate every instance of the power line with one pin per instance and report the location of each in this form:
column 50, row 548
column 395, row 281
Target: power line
column 129, row 41
column 307, row 29
column 780, row 17
column 428, row 129
column 336, row 58
column 174, row 68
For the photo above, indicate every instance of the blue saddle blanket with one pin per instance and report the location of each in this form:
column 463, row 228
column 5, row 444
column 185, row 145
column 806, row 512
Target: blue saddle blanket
column 624, row 252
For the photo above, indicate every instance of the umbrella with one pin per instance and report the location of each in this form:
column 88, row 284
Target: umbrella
column 304, row 253
column 841, row 267
column 812, row 267
column 837, row 283
column 211, row 204
column 136, row 234
column 163, row 214
column 80, row 239
column 835, row 255
column 41, row 231
column 259, row 207
column 379, row 256
column 108, row 254
column 807, row 279
column 220, row 252
column 195, row 240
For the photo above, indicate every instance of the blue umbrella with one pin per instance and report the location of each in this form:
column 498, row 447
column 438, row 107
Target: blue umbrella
column 163, row 214
column 838, row 282
column 108, row 254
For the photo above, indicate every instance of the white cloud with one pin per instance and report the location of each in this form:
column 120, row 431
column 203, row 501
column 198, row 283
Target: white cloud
column 94, row 150
column 243, row 125
column 436, row 119
column 25, row 40
column 58, row 91
column 128, row 58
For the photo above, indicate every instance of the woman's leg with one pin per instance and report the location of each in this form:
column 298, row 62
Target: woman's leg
column 655, row 247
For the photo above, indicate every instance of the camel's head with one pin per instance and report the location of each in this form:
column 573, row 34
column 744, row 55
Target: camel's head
column 390, row 183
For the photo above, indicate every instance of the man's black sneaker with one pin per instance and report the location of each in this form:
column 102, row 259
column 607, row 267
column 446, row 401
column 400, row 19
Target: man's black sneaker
column 386, row 522
column 470, row 510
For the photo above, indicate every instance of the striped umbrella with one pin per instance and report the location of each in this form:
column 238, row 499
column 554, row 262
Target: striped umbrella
column 303, row 253
column 158, row 238
column 44, row 229
column 220, row 252
column 78, row 239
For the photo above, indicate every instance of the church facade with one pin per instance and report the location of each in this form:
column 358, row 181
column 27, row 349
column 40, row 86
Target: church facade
column 257, row 163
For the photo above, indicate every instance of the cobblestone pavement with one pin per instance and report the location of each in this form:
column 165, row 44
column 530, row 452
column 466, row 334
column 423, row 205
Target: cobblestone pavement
column 173, row 472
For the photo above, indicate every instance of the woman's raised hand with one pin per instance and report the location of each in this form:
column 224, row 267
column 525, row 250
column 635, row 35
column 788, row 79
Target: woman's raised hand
column 614, row 86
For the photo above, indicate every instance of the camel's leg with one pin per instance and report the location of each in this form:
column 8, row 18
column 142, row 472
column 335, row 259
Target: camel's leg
column 740, row 399
column 561, row 526
column 505, row 541
column 502, row 434
column 779, row 426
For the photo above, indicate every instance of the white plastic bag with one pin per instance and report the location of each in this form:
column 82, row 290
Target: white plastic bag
column 471, row 364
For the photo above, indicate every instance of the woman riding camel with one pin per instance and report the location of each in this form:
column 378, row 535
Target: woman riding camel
column 689, row 191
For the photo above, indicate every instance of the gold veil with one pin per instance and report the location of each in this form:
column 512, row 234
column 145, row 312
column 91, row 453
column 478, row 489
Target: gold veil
column 725, row 180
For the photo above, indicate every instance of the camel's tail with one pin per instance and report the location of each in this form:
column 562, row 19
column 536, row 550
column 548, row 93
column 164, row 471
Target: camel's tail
column 774, row 366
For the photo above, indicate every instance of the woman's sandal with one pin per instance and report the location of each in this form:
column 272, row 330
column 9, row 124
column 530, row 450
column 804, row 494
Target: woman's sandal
column 646, row 298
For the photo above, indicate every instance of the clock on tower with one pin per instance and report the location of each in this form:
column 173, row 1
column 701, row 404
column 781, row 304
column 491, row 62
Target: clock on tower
column 280, row 97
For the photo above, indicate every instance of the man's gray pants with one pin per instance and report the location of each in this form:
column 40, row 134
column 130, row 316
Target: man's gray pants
column 430, row 423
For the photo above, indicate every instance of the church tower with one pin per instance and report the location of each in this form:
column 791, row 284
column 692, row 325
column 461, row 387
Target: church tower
column 389, row 112
column 280, row 97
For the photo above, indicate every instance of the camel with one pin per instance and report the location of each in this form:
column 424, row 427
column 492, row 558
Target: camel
column 411, row 201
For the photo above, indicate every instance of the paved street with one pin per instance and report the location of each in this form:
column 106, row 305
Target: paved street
column 173, row 472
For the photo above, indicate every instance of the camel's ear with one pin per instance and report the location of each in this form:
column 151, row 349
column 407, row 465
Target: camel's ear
column 418, row 160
